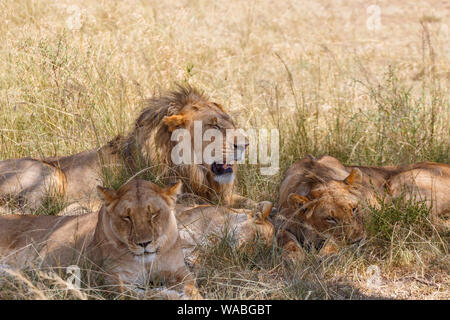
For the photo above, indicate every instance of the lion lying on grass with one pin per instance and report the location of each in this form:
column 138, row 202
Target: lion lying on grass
column 200, row 224
column 26, row 182
column 322, row 199
column 133, row 239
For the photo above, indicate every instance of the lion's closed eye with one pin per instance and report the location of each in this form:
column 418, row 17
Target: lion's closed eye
column 153, row 214
column 127, row 216
column 332, row 220
column 127, row 219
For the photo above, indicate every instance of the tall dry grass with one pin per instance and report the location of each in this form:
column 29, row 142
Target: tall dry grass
column 312, row 69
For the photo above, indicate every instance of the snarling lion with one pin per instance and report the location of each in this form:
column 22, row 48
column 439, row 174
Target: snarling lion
column 202, row 224
column 322, row 199
column 150, row 143
column 133, row 239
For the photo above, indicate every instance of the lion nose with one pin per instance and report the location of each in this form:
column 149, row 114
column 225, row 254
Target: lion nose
column 144, row 244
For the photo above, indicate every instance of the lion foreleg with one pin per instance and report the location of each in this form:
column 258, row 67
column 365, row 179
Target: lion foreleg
column 241, row 201
column 187, row 281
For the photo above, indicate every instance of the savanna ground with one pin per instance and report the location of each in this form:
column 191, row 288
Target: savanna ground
column 328, row 74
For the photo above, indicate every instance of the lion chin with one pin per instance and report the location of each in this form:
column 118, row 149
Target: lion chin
column 223, row 173
column 146, row 257
column 224, row 178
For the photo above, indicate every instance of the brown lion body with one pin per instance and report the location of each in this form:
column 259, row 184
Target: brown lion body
column 133, row 239
column 201, row 224
column 27, row 181
column 322, row 199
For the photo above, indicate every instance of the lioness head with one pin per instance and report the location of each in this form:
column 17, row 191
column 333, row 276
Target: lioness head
column 330, row 210
column 139, row 217
column 189, row 156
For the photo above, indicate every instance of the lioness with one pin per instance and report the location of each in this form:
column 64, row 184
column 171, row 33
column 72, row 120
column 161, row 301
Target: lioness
column 323, row 199
column 198, row 225
column 75, row 177
column 133, row 238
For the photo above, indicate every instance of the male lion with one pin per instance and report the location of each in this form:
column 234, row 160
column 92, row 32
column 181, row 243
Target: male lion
column 322, row 199
column 133, row 238
column 75, row 177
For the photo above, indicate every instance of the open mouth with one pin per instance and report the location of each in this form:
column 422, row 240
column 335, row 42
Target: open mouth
column 220, row 169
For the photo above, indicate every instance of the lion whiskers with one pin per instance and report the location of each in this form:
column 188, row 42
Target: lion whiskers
column 145, row 258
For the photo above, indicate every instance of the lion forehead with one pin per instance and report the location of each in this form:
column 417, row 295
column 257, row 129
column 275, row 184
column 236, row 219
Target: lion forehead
column 208, row 114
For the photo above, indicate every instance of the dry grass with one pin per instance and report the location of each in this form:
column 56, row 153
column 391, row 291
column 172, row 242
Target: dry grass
column 312, row 69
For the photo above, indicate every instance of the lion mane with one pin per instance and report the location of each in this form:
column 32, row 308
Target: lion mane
column 150, row 142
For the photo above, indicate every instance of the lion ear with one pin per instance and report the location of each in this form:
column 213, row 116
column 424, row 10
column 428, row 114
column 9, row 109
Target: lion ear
column 265, row 207
column 173, row 191
column 295, row 200
column 174, row 121
column 106, row 194
column 219, row 106
column 355, row 176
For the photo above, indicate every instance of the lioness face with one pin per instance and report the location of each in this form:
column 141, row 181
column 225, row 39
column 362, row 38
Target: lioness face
column 214, row 122
column 141, row 216
column 330, row 210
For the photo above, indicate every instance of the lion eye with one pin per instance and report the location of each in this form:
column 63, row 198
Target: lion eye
column 332, row 220
column 354, row 210
column 153, row 215
column 127, row 217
